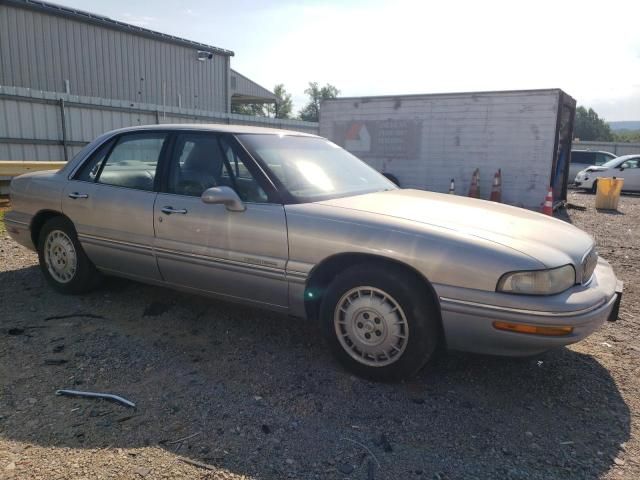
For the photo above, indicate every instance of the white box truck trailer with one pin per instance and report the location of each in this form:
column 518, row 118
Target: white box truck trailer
column 424, row 141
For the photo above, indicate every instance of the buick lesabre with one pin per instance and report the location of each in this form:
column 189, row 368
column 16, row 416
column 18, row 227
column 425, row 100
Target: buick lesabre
column 291, row 222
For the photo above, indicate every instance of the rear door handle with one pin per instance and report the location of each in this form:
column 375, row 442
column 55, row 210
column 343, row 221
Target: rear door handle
column 170, row 210
column 75, row 195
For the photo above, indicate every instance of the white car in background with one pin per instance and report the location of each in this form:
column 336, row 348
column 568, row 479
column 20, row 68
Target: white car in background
column 581, row 159
column 627, row 167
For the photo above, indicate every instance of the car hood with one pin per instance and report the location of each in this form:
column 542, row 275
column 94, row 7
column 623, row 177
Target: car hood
column 550, row 241
column 595, row 168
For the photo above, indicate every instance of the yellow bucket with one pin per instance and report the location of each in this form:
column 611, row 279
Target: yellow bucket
column 608, row 193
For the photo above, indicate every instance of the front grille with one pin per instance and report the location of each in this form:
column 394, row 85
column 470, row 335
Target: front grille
column 589, row 263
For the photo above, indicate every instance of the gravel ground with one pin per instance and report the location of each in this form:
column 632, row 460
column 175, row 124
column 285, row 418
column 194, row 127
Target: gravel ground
column 255, row 395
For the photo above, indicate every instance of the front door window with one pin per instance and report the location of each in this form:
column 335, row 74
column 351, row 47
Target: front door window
column 202, row 161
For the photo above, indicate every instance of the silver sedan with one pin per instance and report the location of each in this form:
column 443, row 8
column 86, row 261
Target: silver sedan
column 291, row 222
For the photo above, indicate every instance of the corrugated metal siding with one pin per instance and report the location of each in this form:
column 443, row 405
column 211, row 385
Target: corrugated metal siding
column 458, row 133
column 241, row 85
column 617, row 148
column 41, row 51
column 31, row 121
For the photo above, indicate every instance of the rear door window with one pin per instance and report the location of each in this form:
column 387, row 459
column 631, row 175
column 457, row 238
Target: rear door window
column 133, row 161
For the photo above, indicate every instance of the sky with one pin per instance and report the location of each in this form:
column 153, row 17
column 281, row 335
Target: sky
column 590, row 49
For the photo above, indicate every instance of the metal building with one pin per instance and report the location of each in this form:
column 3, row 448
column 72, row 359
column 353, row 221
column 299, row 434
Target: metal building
column 58, row 49
column 244, row 90
column 66, row 76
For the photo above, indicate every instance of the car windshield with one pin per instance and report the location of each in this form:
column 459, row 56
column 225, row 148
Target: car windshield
column 312, row 168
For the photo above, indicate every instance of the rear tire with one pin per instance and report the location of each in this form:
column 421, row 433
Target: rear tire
column 63, row 262
column 379, row 322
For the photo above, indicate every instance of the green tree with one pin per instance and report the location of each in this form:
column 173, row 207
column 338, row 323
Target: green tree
column 588, row 126
column 311, row 111
column 629, row 136
column 283, row 106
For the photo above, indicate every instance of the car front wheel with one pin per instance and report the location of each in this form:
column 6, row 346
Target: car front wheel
column 62, row 259
column 381, row 323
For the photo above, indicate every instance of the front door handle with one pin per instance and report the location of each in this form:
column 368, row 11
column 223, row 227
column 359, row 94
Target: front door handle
column 75, row 195
column 170, row 210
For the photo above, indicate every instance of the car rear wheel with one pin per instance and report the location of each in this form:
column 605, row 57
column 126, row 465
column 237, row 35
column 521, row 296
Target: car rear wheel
column 63, row 262
column 379, row 322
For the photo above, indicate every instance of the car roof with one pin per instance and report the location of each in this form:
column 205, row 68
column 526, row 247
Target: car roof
column 592, row 151
column 214, row 127
column 628, row 157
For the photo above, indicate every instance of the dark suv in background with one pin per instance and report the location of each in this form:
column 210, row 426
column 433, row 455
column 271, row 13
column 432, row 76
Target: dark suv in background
column 581, row 159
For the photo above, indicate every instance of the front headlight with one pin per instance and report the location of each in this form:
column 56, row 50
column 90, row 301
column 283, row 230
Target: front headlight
column 538, row 282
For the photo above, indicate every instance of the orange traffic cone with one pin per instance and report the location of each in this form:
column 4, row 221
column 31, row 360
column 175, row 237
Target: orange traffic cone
column 474, row 188
column 547, row 207
column 452, row 187
column 496, row 189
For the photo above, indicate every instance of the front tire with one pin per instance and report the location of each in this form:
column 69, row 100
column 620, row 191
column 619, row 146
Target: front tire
column 594, row 187
column 63, row 262
column 380, row 322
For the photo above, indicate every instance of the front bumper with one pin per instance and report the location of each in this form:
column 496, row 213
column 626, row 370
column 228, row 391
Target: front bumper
column 468, row 325
column 584, row 181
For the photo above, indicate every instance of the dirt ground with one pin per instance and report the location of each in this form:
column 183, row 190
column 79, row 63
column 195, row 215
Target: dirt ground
column 251, row 394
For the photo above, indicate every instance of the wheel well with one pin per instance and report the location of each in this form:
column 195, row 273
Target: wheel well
column 323, row 273
column 38, row 222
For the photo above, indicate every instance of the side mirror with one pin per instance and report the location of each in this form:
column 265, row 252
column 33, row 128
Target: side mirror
column 224, row 195
column 621, row 168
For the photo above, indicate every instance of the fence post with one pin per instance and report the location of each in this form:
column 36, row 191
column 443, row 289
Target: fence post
column 63, row 119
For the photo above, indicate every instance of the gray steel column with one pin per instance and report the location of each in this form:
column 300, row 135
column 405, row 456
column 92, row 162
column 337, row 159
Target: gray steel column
column 63, row 119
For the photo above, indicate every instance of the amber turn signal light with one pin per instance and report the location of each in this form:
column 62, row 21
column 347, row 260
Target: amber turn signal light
column 551, row 331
